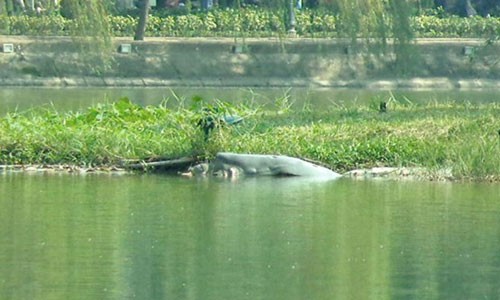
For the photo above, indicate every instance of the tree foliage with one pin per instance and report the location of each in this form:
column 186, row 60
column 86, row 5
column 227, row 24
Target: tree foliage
column 373, row 22
column 91, row 32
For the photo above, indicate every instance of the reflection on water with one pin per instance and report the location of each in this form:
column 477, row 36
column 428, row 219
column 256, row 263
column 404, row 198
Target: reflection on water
column 20, row 99
column 157, row 237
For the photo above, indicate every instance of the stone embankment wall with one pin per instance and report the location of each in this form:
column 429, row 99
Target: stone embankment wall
column 440, row 63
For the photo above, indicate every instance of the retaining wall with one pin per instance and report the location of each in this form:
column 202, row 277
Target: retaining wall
column 56, row 61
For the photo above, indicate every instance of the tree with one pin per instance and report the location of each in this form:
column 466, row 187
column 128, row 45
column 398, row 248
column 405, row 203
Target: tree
column 370, row 23
column 143, row 19
column 406, row 58
column 91, row 32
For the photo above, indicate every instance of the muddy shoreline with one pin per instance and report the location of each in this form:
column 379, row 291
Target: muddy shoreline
column 376, row 173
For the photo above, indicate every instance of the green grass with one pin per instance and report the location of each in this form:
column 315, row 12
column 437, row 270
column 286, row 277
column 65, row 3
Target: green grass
column 462, row 137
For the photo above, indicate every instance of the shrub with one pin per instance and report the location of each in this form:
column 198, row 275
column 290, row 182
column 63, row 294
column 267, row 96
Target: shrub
column 256, row 22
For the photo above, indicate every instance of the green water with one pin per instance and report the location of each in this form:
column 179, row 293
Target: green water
column 160, row 237
column 64, row 99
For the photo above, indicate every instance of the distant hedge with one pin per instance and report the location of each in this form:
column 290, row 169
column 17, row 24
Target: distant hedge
column 251, row 23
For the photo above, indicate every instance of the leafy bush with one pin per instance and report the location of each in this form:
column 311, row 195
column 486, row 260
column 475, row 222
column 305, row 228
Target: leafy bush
column 257, row 22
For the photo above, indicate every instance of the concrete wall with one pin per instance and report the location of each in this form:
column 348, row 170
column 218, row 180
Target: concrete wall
column 254, row 62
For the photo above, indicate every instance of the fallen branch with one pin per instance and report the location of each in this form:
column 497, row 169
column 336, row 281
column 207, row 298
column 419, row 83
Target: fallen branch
column 169, row 164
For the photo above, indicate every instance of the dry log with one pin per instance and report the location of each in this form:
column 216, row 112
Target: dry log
column 164, row 164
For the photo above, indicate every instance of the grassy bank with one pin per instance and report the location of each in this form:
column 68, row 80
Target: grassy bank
column 462, row 137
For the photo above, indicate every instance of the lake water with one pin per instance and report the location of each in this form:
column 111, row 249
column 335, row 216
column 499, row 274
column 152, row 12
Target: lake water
column 23, row 98
column 163, row 237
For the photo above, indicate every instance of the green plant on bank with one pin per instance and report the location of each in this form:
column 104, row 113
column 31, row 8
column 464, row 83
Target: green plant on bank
column 462, row 137
column 101, row 135
column 263, row 23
